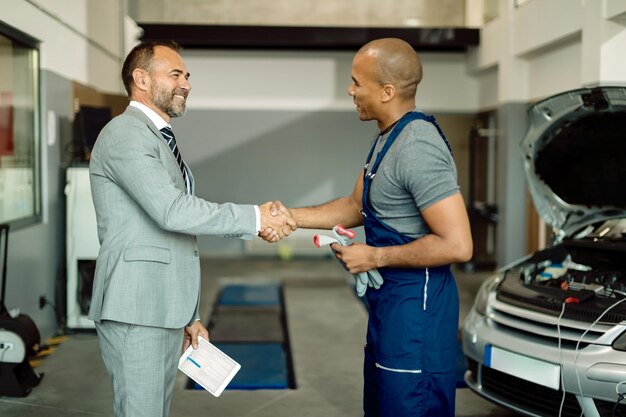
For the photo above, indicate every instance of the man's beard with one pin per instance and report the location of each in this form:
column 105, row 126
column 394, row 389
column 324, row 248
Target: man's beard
column 165, row 101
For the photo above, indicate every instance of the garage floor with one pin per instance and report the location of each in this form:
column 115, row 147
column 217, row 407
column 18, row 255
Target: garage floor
column 326, row 329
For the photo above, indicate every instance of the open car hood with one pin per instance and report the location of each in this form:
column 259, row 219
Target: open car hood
column 575, row 157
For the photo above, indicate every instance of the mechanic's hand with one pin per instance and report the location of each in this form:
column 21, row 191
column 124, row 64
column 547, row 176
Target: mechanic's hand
column 357, row 257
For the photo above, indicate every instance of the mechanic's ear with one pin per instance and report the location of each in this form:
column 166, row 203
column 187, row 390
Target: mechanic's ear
column 388, row 93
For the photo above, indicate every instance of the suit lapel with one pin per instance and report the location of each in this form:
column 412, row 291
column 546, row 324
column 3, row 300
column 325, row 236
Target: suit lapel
column 135, row 112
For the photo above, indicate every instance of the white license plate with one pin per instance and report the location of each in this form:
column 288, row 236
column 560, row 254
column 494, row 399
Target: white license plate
column 520, row 366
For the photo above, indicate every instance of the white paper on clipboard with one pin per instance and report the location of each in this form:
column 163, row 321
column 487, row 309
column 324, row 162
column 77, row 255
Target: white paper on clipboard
column 211, row 368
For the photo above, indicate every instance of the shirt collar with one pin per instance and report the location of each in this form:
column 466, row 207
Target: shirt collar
column 154, row 117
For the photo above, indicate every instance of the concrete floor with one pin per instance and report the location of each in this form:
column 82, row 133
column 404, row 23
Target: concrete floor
column 326, row 324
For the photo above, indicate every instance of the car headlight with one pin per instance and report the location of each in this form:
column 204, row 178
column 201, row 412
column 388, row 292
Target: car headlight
column 480, row 303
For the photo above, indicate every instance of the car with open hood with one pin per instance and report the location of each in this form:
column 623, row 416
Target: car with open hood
column 546, row 335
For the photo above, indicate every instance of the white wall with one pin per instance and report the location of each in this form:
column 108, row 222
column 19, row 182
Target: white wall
column 357, row 13
column 313, row 81
column 265, row 80
column 548, row 46
column 448, row 86
column 550, row 70
column 80, row 39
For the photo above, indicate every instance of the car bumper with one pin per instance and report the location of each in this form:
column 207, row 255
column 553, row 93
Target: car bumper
column 593, row 370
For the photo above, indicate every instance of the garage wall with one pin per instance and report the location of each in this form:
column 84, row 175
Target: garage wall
column 581, row 47
column 550, row 69
column 360, row 13
column 81, row 39
column 313, row 80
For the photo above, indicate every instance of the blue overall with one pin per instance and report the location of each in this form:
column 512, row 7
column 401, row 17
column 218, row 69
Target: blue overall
column 410, row 355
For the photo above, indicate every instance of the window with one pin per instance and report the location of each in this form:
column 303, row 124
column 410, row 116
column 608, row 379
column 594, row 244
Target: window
column 20, row 201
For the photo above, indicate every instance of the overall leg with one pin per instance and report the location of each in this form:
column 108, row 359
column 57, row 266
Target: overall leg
column 440, row 358
column 415, row 328
column 402, row 393
column 141, row 362
column 441, row 394
column 371, row 406
column 394, row 353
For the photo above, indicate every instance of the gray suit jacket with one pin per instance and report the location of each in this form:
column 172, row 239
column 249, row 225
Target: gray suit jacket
column 148, row 269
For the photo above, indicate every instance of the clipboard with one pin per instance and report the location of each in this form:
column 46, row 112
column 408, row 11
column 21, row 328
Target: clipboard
column 208, row 366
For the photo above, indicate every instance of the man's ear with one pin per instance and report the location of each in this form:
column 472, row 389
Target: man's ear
column 141, row 79
column 388, row 92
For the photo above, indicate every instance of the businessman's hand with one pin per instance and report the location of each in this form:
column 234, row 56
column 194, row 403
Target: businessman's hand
column 191, row 334
column 276, row 221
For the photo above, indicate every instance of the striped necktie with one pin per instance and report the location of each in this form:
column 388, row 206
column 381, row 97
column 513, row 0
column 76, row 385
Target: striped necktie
column 171, row 142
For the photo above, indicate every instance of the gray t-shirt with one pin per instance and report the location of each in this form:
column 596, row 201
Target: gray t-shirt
column 417, row 171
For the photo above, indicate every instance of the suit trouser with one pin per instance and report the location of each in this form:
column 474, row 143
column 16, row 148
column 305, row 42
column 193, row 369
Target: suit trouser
column 142, row 363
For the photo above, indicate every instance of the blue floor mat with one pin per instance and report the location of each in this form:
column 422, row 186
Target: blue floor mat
column 263, row 365
column 235, row 294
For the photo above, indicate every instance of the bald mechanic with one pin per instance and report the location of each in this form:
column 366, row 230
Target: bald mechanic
column 416, row 225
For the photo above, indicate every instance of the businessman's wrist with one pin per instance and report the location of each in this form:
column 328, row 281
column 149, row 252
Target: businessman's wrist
column 257, row 213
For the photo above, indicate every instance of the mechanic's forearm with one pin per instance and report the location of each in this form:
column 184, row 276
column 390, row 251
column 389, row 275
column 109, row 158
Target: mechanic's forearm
column 345, row 211
column 427, row 251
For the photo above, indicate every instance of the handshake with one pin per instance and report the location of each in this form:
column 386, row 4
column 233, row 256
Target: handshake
column 277, row 221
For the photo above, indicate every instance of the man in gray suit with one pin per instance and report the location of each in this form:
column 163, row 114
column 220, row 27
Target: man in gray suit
column 146, row 291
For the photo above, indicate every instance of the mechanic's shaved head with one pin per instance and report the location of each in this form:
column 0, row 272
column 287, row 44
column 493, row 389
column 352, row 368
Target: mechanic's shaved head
column 396, row 63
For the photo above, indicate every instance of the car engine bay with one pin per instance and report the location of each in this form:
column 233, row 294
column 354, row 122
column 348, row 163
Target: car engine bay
column 588, row 278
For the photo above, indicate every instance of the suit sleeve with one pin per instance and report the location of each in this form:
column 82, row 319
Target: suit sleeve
column 131, row 158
